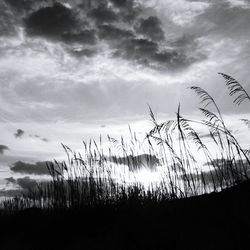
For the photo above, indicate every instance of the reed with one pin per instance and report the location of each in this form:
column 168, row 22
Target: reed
column 90, row 179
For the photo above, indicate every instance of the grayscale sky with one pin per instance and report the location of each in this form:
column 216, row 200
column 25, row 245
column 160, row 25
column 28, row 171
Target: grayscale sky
column 73, row 70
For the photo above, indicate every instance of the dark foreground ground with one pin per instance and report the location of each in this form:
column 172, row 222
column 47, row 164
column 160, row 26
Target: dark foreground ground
column 214, row 221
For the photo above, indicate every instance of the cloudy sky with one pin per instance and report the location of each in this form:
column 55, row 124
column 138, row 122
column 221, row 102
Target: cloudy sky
column 73, row 70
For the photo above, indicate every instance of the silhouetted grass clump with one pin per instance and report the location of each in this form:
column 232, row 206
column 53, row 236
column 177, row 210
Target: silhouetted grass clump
column 96, row 178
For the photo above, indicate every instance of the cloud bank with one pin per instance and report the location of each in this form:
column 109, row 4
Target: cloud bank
column 39, row 168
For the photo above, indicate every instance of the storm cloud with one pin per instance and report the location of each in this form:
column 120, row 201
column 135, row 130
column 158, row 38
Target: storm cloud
column 51, row 21
column 132, row 31
column 151, row 28
column 85, row 37
column 103, row 14
column 39, row 168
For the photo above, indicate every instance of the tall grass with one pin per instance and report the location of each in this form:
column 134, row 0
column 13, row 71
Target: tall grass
column 94, row 177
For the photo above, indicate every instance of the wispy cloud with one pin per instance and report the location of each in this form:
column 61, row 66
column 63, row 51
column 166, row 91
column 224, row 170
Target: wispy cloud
column 35, row 136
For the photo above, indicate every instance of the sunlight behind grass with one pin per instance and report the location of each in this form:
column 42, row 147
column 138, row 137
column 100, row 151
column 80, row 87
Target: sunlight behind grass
column 162, row 166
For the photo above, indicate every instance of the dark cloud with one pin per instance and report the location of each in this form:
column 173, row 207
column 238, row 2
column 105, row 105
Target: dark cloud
column 120, row 3
column 184, row 43
column 143, row 44
column 111, row 32
column 119, row 24
column 10, row 180
column 51, row 21
column 151, row 28
column 39, row 168
column 141, row 50
column 23, row 186
column 19, row 133
column 103, row 14
column 147, row 52
column 85, row 37
column 112, row 11
column 173, row 60
column 24, row 183
column 137, row 162
column 3, row 148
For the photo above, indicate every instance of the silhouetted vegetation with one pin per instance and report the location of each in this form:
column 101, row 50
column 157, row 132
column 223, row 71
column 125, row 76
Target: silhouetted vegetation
column 89, row 204
column 95, row 176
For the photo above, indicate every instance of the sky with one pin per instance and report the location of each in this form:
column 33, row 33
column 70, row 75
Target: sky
column 73, row 70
